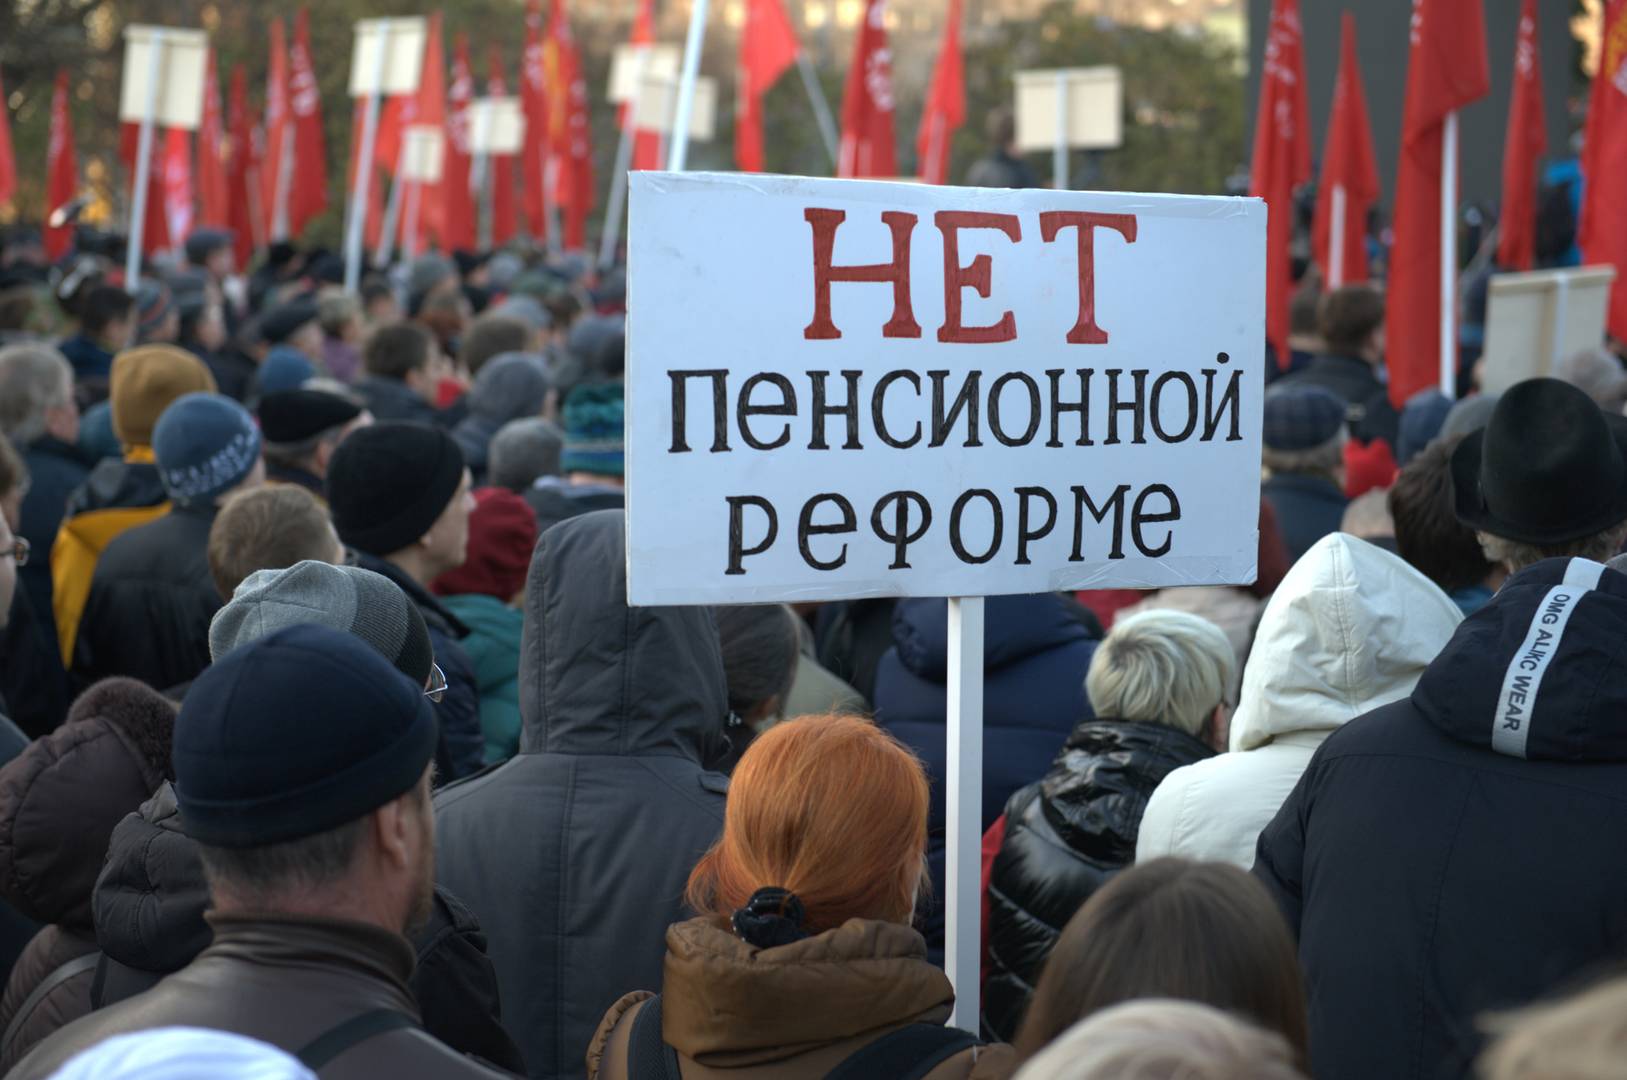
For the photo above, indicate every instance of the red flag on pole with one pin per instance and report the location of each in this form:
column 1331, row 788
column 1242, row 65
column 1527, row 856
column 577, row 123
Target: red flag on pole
column 274, row 175
column 1523, row 147
column 308, row 185
column 503, row 219
column 646, row 143
column 8, row 160
column 1446, row 69
column 1603, row 233
column 461, row 207
column 240, row 216
column 945, row 105
column 178, row 183
column 534, row 103
column 431, row 112
column 768, row 45
column 1349, row 185
column 867, row 102
column 61, row 169
column 212, row 197
column 155, row 222
column 570, row 146
column 1282, row 160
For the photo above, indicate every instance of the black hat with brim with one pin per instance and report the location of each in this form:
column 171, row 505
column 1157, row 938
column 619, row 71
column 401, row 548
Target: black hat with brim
column 1550, row 467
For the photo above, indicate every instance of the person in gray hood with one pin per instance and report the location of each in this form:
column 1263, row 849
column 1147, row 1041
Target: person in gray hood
column 509, row 387
column 574, row 853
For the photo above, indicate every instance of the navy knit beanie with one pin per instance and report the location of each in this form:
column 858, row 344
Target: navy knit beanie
column 206, row 444
column 387, row 483
column 294, row 735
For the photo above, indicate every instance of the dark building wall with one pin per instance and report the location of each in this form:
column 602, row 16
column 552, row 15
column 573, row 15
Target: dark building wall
column 1382, row 34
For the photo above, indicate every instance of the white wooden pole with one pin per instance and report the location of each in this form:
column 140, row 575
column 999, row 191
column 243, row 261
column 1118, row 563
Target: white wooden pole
column 686, row 86
column 1449, row 255
column 479, row 164
column 391, row 226
column 1336, row 239
column 1059, row 160
column 409, row 226
column 357, row 222
column 821, row 107
column 285, row 176
column 624, row 161
column 144, row 163
column 964, row 836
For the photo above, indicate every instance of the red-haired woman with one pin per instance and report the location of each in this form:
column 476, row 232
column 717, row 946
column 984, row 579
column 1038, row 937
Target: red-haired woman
column 803, row 962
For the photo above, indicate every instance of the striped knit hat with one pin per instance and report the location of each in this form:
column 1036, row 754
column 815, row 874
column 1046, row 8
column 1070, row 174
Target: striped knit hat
column 594, row 431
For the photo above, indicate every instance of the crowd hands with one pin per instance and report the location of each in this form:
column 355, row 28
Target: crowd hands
column 333, row 748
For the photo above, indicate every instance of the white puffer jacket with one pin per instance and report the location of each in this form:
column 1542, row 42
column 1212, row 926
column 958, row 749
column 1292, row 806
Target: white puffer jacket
column 1350, row 628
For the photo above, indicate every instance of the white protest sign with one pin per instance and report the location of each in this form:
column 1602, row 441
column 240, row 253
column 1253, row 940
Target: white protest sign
column 1080, row 107
column 656, row 107
column 1538, row 319
column 842, row 389
column 163, row 76
column 631, row 64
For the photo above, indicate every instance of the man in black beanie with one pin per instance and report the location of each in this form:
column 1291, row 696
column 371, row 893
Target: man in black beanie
column 400, row 498
column 302, row 767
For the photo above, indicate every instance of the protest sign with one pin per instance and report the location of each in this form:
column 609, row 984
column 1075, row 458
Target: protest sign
column 846, row 389
column 1538, row 319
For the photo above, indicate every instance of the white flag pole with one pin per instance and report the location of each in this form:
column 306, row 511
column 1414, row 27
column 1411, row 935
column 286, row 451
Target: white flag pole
column 364, row 172
column 1449, row 259
column 144, row 163
column 821, row 107
column 390, row 228
column 964, row 837
column 479, row 165
column 624, row 161
column 693, row 44
column 1336, row 238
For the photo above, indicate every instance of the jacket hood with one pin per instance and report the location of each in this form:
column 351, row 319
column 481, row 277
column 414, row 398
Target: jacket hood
column 117, row 483
column 1014, row 628
column 1540, row 672
column 726, row 1002
column 62, row 796
column 151, row 897
column 599, row 677
column 1350, row 628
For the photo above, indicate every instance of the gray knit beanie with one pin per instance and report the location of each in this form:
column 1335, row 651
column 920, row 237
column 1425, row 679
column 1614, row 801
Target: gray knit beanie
column 345, row 598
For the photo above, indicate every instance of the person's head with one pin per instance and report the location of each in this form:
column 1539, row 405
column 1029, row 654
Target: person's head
column 1303, row 310
column 512, row 386
column 595, row 433
column 491, row 336
column 211, row 249
column 522, row 451
column 207, row 447
column 831, row 809
column 268, row 528
column 402, row 351
column 1427, row 532
column 1164, row 667
column 1351, row 321
column 400, row 491
column 1597, row 373
column 302, row 769
column 1581, row 1037
column 36, row 395
column 294, row 324
column 304, row 427
column 340, row 315
column 1171, row 928
column 143, row 384
column 445, row 313
column 379, row 306
column 1304, row 433
column 203, row 323
column 502, row 535
column 107, row 315
column 1421, row 420
column 157, row 320
column 1001, row 128
column 760, row 644
column 1164, row 1039
column 430, row 279
column 1546, row 478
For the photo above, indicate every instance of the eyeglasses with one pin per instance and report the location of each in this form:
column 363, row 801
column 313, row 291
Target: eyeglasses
column 435, row 685
column 19, row 550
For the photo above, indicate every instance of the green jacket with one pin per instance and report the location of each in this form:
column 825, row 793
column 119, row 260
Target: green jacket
column 493, row 646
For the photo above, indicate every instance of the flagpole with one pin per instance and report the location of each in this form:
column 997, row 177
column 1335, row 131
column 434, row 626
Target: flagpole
column 356, row 224
column 409, row 224
column 390, row 227
column 1448, row 254
column 144, row 165
column 285, row 168
column 1336, row 238
column 624, row 159
column 821, row 107
column 686, row 86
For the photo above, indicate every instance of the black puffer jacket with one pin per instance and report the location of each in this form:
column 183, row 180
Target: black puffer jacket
column 1065, row 837
column 149, row 907
column 59, row 801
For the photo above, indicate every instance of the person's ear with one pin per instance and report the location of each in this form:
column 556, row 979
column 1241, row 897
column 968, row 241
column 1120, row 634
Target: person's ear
column 393, row 831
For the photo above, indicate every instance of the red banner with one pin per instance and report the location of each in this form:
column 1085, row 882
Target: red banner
column 1603, row 234
column 1348, row 166
column 768, row 45
column 308, row 182
column 945, row 105
column 61, row 169
column 504, row 222
column 1282, row 160
column 867, row 102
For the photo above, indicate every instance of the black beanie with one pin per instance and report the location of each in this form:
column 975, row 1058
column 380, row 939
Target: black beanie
column 387, row 483
column 294, row 735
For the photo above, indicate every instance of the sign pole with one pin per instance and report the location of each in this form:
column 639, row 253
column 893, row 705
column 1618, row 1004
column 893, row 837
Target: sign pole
column 391, row 226
column 1059, row 160
column 409, row 224
column 478, row 164
column 686, row 86
column 821, row 107
column 1449, row 236
column 364, row 170
column 624, row 159
column 1336, row 239
column 144, row 164
column 964, row 833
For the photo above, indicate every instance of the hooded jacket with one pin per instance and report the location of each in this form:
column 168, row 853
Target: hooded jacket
column 1350, row 628
column 575, row 852
column 1036, row 650
column 1458, row 852
column 493, row 646
column 733, row 1011
column 59, row 802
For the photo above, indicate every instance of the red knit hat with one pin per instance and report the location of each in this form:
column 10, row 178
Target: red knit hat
column 502, row 534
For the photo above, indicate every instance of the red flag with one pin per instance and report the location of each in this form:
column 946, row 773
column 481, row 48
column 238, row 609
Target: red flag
column 61, row 169
column 867, row 102
column 1446, row 69
column 945, row 105
column 534, row 103
column 155, row 222
column 177, row 185
column 1603, row 233
column 1282, row 159
column 503, row 222
column 240, row 215
column 461, row 208
column 646, row 143
column 212, row 148
column 768, row 45
column 431, row 112
column 8, row 160
column 308, row 185
column 569, row 132
column 1348, row 165
column 1523, row 147
column 278, row 147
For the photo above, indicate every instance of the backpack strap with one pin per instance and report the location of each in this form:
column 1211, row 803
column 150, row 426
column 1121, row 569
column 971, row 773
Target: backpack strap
column 648, row 1055
column 358, row 1029
column 77, row 966
column 908, row 1053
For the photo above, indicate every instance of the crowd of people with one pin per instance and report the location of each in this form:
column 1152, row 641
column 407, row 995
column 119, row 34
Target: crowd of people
column 332, row 747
